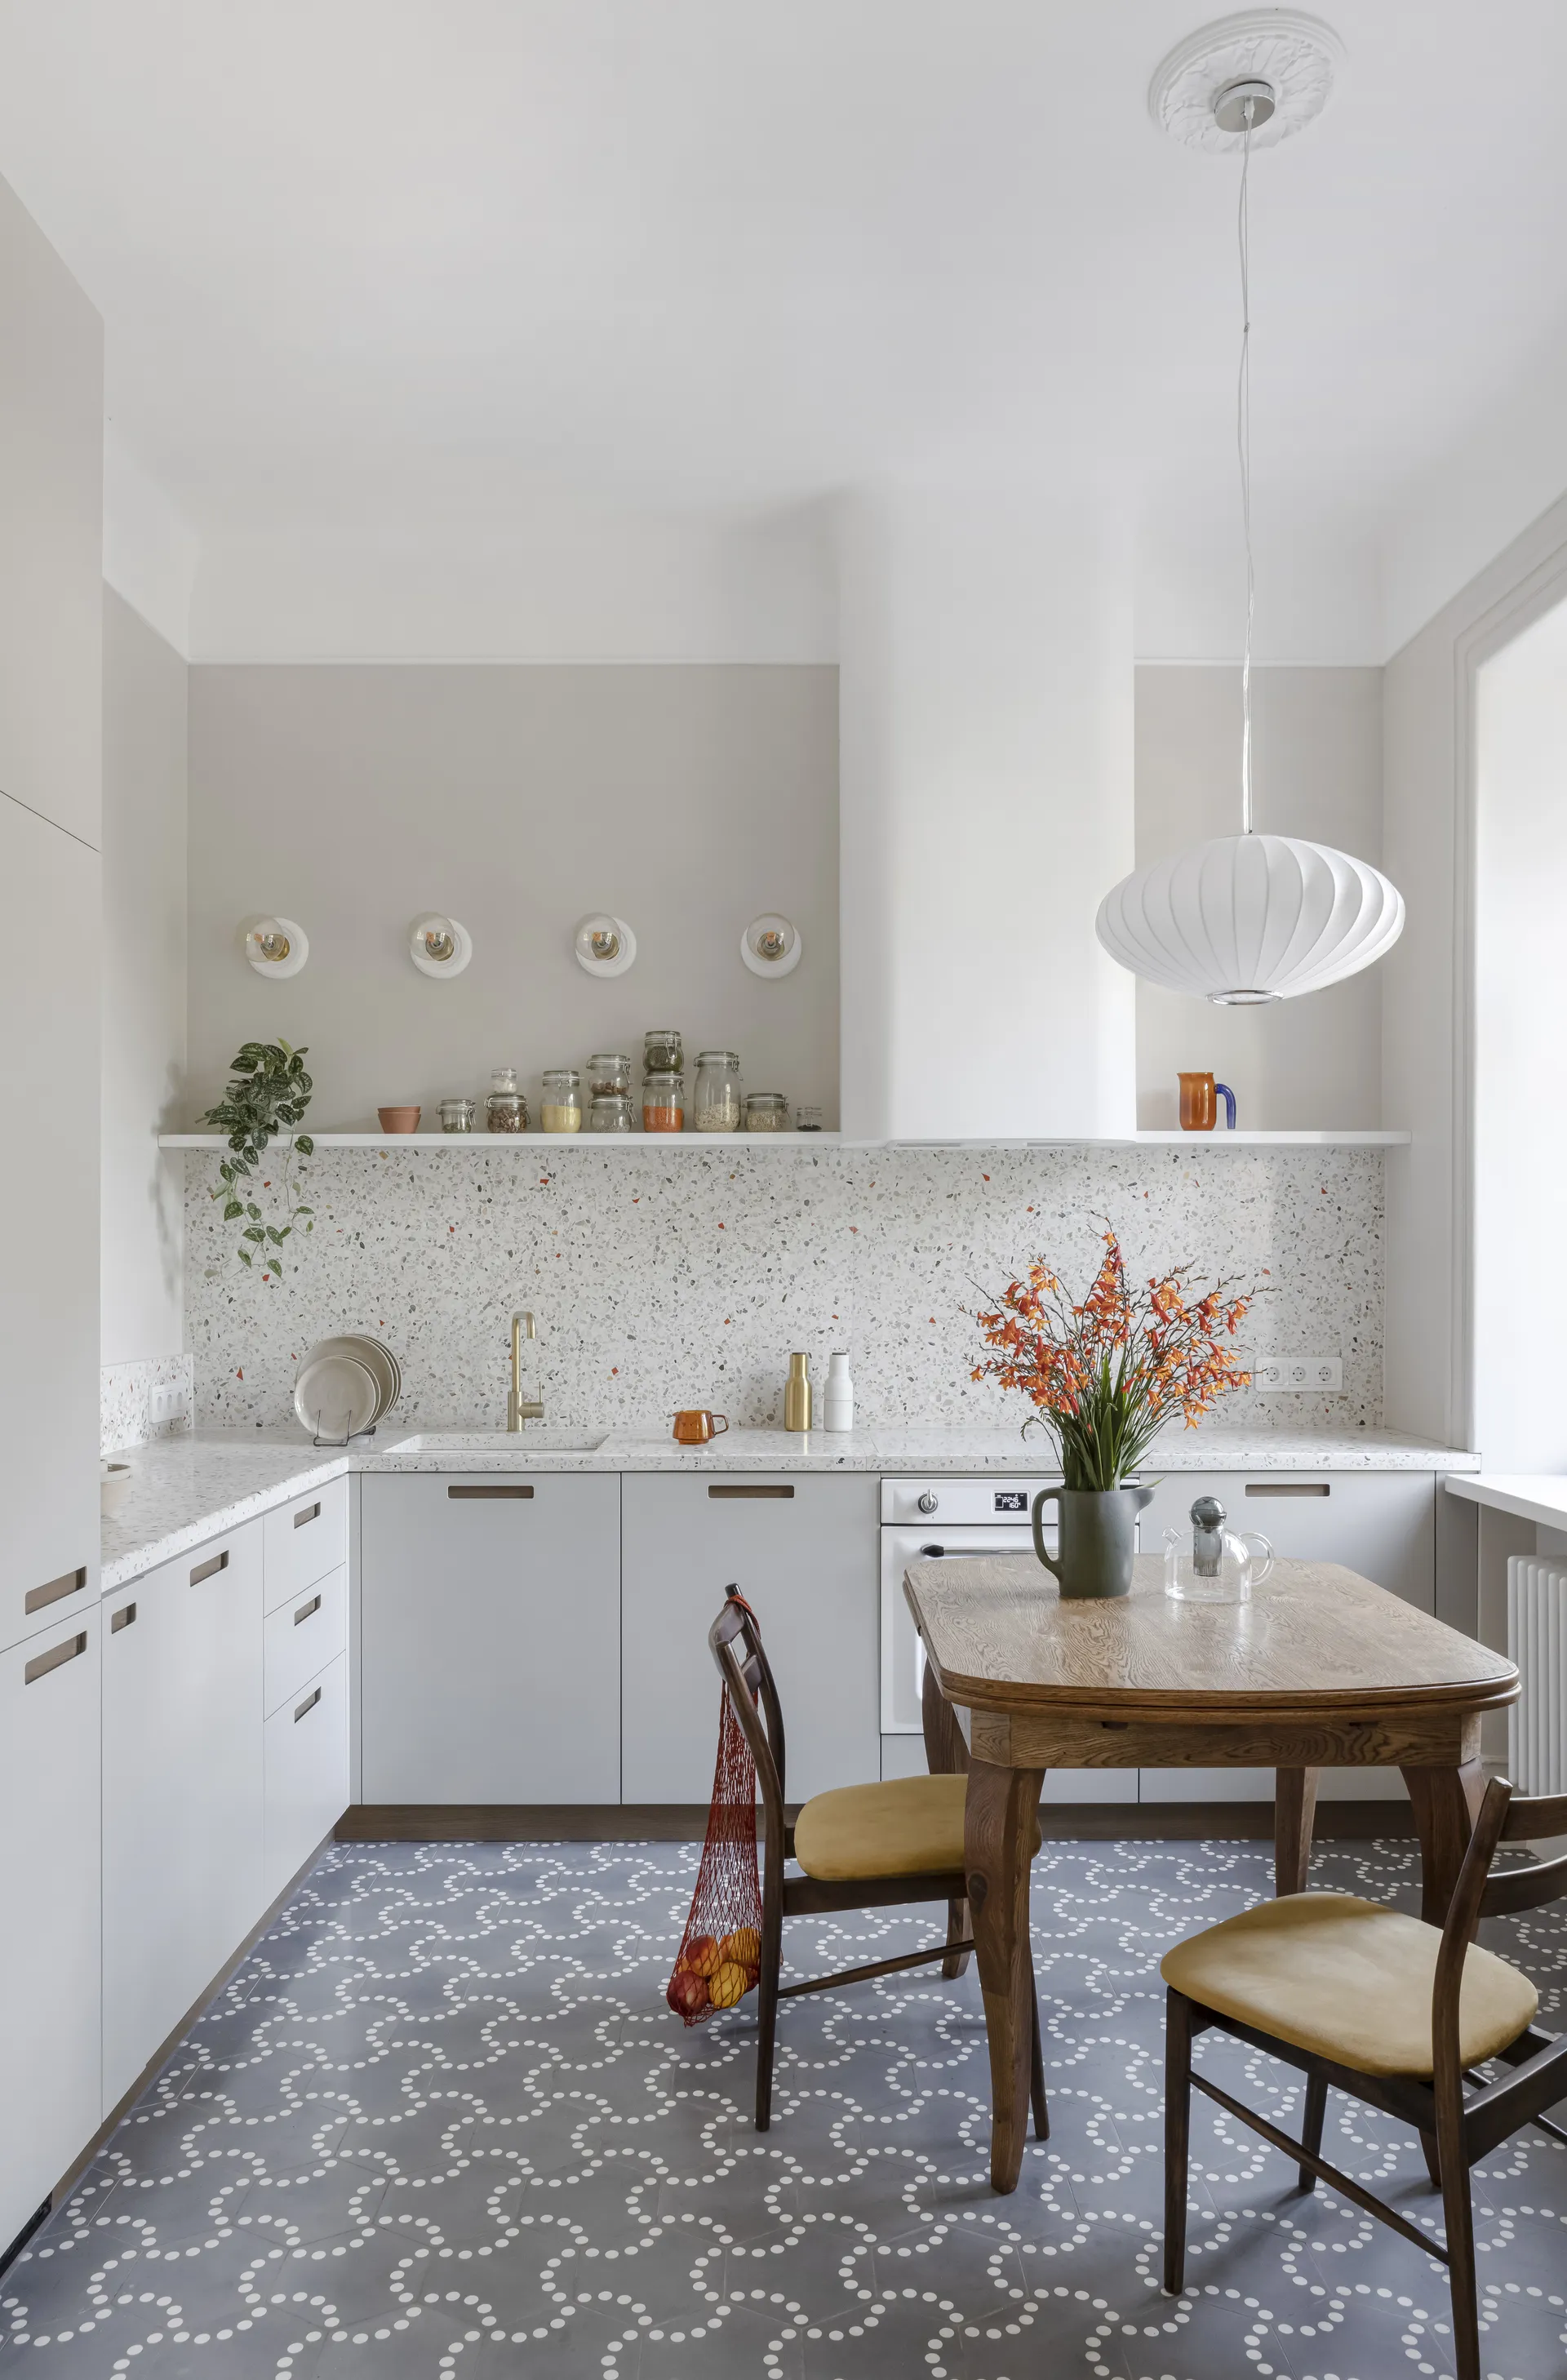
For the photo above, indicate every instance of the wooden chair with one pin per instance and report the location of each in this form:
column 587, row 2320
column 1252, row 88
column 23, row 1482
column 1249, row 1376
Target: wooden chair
column 861, row 1847
column 1392, row 2011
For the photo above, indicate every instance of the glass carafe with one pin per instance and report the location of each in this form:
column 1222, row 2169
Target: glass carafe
column 1207, row 1564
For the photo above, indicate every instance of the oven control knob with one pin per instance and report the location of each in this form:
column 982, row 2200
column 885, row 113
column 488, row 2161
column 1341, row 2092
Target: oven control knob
column 930, row 1500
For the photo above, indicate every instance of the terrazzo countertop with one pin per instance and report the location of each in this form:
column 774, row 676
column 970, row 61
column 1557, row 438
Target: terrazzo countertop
column 186, row 1489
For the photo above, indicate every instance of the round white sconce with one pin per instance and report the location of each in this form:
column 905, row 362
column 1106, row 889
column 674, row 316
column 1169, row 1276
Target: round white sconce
column 772, row 946
column 439, row 946
column 604, row 946
column 274, row 946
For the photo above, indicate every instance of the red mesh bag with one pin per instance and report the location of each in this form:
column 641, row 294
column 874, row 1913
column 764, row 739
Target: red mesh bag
column 720, row 1956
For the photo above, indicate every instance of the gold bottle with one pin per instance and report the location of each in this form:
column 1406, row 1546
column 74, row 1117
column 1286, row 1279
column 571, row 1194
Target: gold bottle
column 797, row 1395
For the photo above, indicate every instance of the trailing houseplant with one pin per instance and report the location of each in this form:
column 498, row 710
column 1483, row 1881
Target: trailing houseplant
column 1105, row 1375
column 268, row 1095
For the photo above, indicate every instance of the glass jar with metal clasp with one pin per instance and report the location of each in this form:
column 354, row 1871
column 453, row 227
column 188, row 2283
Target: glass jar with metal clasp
column 560, row 1109
column 505, row 1109
column 767, row 1111
column 611, row 1112
column 717, row 1105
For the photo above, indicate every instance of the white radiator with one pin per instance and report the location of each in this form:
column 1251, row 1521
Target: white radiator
column 1537, row 1640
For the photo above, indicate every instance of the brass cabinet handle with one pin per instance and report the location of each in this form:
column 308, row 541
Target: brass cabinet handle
column 41, row 1663
column 307, row 1513
column 38, row 1599
column 1288, row 1488
column 522, row 1492
column 300, row 1710
column 727, row 1487
column 122, row 1619
column 306, row 1608
column 210, row 1568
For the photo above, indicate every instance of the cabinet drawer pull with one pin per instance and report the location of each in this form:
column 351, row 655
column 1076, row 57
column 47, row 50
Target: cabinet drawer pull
column 38, row 1599
column 1288, row 1488
column 122, row 1619
column 721, row 1489
column 301, row 1710
column 306, row 1609
column 210, row 1568
column 522, row 1492
column 41, row 1665
column 307, row 1513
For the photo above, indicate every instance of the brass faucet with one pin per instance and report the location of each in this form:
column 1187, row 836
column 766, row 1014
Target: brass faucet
column 519, row 1408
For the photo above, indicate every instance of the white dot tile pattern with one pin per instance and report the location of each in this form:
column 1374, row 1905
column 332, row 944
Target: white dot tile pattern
column 442, row 2123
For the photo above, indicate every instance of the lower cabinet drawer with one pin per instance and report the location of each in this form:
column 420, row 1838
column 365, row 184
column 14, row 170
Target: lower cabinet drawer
column 305, row 1539
column 304, row 1765
column 301, row 1637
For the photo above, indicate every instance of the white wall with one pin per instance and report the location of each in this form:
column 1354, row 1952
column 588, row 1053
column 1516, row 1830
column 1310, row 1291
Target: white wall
column 144, row 985
column 986, row 691
column 1318, row 771
column 149, row 549
column 1520, row 1116
column 686, row 800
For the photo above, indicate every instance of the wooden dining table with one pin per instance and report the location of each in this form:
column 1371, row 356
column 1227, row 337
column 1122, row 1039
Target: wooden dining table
column 1319, row 1668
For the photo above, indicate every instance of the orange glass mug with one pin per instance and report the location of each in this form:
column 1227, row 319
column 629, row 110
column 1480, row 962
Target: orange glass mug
column 695, row 1426
column 1200, row 1096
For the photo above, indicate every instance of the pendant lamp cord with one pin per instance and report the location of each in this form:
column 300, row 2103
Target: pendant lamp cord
column 1242, row 447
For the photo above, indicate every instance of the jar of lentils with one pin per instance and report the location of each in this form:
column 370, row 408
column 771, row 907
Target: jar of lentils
column 664, row 1103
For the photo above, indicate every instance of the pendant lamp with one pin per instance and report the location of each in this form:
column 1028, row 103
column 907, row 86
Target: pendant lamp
column 1249, row 918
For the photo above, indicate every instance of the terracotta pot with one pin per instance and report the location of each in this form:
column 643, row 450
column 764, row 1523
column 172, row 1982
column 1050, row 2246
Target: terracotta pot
column 399, row 1119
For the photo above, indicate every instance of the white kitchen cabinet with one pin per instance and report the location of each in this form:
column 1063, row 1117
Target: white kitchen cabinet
column 304, row 1540
column 305, row 1756
column 183, row 1879
column 49, row 1323
column 803, row 1552
column 50, row 2088
column 306, row 1632
column 1381, row 1524
column 489, row 1637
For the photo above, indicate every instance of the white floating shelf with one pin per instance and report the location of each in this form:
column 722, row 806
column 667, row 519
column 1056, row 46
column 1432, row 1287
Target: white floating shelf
column 803, row 1143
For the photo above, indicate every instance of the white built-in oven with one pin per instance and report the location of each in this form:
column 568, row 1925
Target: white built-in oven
column 937, row 1520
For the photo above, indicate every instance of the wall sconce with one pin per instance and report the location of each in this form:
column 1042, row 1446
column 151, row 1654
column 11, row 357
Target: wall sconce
column 439, row 946
column 274, row 946
column 604, row 946
column 772, row 946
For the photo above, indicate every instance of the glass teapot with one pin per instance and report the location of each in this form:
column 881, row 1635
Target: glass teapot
column 1211, row 1565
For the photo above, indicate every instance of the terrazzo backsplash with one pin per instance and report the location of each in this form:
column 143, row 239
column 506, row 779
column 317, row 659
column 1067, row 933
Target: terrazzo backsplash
column 126, row 1402
column 686, row 1277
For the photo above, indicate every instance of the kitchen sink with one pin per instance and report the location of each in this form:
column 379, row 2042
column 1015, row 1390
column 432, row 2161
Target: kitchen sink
column 533, row 1440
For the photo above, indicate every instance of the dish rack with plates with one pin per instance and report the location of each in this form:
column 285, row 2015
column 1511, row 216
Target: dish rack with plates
column 344, row 1387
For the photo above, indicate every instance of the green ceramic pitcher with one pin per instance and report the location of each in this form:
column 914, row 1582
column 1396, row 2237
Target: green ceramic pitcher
column 1098, row 1539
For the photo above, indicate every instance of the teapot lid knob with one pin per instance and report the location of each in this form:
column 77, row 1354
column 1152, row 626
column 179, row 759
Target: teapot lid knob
column 1207, row 1513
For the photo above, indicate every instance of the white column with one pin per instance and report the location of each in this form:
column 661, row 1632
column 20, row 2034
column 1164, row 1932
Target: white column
column 985, row 652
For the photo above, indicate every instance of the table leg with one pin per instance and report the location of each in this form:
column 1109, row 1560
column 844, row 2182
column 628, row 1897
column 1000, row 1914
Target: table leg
column 1444, row 1802
column 999, row 1817
column 1294, row 1815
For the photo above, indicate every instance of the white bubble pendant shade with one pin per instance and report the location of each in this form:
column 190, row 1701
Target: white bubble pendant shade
column 1251, row 917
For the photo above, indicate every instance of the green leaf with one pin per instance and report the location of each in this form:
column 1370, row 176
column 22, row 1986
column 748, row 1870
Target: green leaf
column 277, row 1237
column 305, row 1145
column 253, row 1232
column 253, row 1211
column 233, row 1209
column 244, row 1254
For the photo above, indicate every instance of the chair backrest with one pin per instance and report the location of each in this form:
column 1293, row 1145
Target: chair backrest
column 735, row 1642
column 1504, row 1817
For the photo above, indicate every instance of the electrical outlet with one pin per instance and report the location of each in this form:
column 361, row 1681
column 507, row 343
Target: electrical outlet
column 1299, row 1374
column 168, row 1404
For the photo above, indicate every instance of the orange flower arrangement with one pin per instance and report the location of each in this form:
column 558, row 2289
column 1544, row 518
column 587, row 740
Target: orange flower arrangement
column 1107, row 1374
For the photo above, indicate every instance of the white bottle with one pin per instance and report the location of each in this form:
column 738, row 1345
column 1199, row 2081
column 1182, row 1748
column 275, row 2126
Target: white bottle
column 838, row 1405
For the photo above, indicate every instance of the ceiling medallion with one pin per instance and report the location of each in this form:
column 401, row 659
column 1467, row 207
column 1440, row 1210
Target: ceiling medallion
column 1297, row 57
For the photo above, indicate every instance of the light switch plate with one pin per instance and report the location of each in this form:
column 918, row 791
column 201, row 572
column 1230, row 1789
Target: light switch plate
column 168, row 1404
column 1298, row 1375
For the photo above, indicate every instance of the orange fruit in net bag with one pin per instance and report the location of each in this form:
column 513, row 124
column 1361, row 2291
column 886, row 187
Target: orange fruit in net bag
column 687, row 1994
column 728, row 1985
column 701, row 1956
column 743, row 1947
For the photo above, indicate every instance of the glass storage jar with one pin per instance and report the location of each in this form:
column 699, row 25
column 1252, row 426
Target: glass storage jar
column 611, row 1112
column 609, row 1074
column 808, row 1119
column 716, row 1105
column 505, row 1109
column 456, row 1115
column 560, row 1109
column 662, row 1053
column 664, row 1103
column 767, row 1111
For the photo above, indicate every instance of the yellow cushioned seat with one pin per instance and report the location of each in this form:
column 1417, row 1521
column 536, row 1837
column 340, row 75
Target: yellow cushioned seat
column 1348, row 1979
column 906, row 1826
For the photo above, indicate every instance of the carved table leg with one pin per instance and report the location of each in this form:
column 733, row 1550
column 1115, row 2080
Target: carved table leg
column 1444, row 1802
column 997, row 1840
column 1294, row 1814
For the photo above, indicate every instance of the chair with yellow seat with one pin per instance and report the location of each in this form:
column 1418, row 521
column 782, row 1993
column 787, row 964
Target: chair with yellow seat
column 1364, row 1999
column 876, row 1846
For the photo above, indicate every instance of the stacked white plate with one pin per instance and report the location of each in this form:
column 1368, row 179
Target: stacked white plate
column 345, row 1385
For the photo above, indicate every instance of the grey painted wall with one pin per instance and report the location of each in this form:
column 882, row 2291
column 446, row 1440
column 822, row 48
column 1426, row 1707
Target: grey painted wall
column 144, row 985
column 515, row 798
column 1318, row 771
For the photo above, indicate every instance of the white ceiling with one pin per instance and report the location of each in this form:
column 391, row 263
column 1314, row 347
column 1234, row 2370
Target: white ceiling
column 433, row 269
